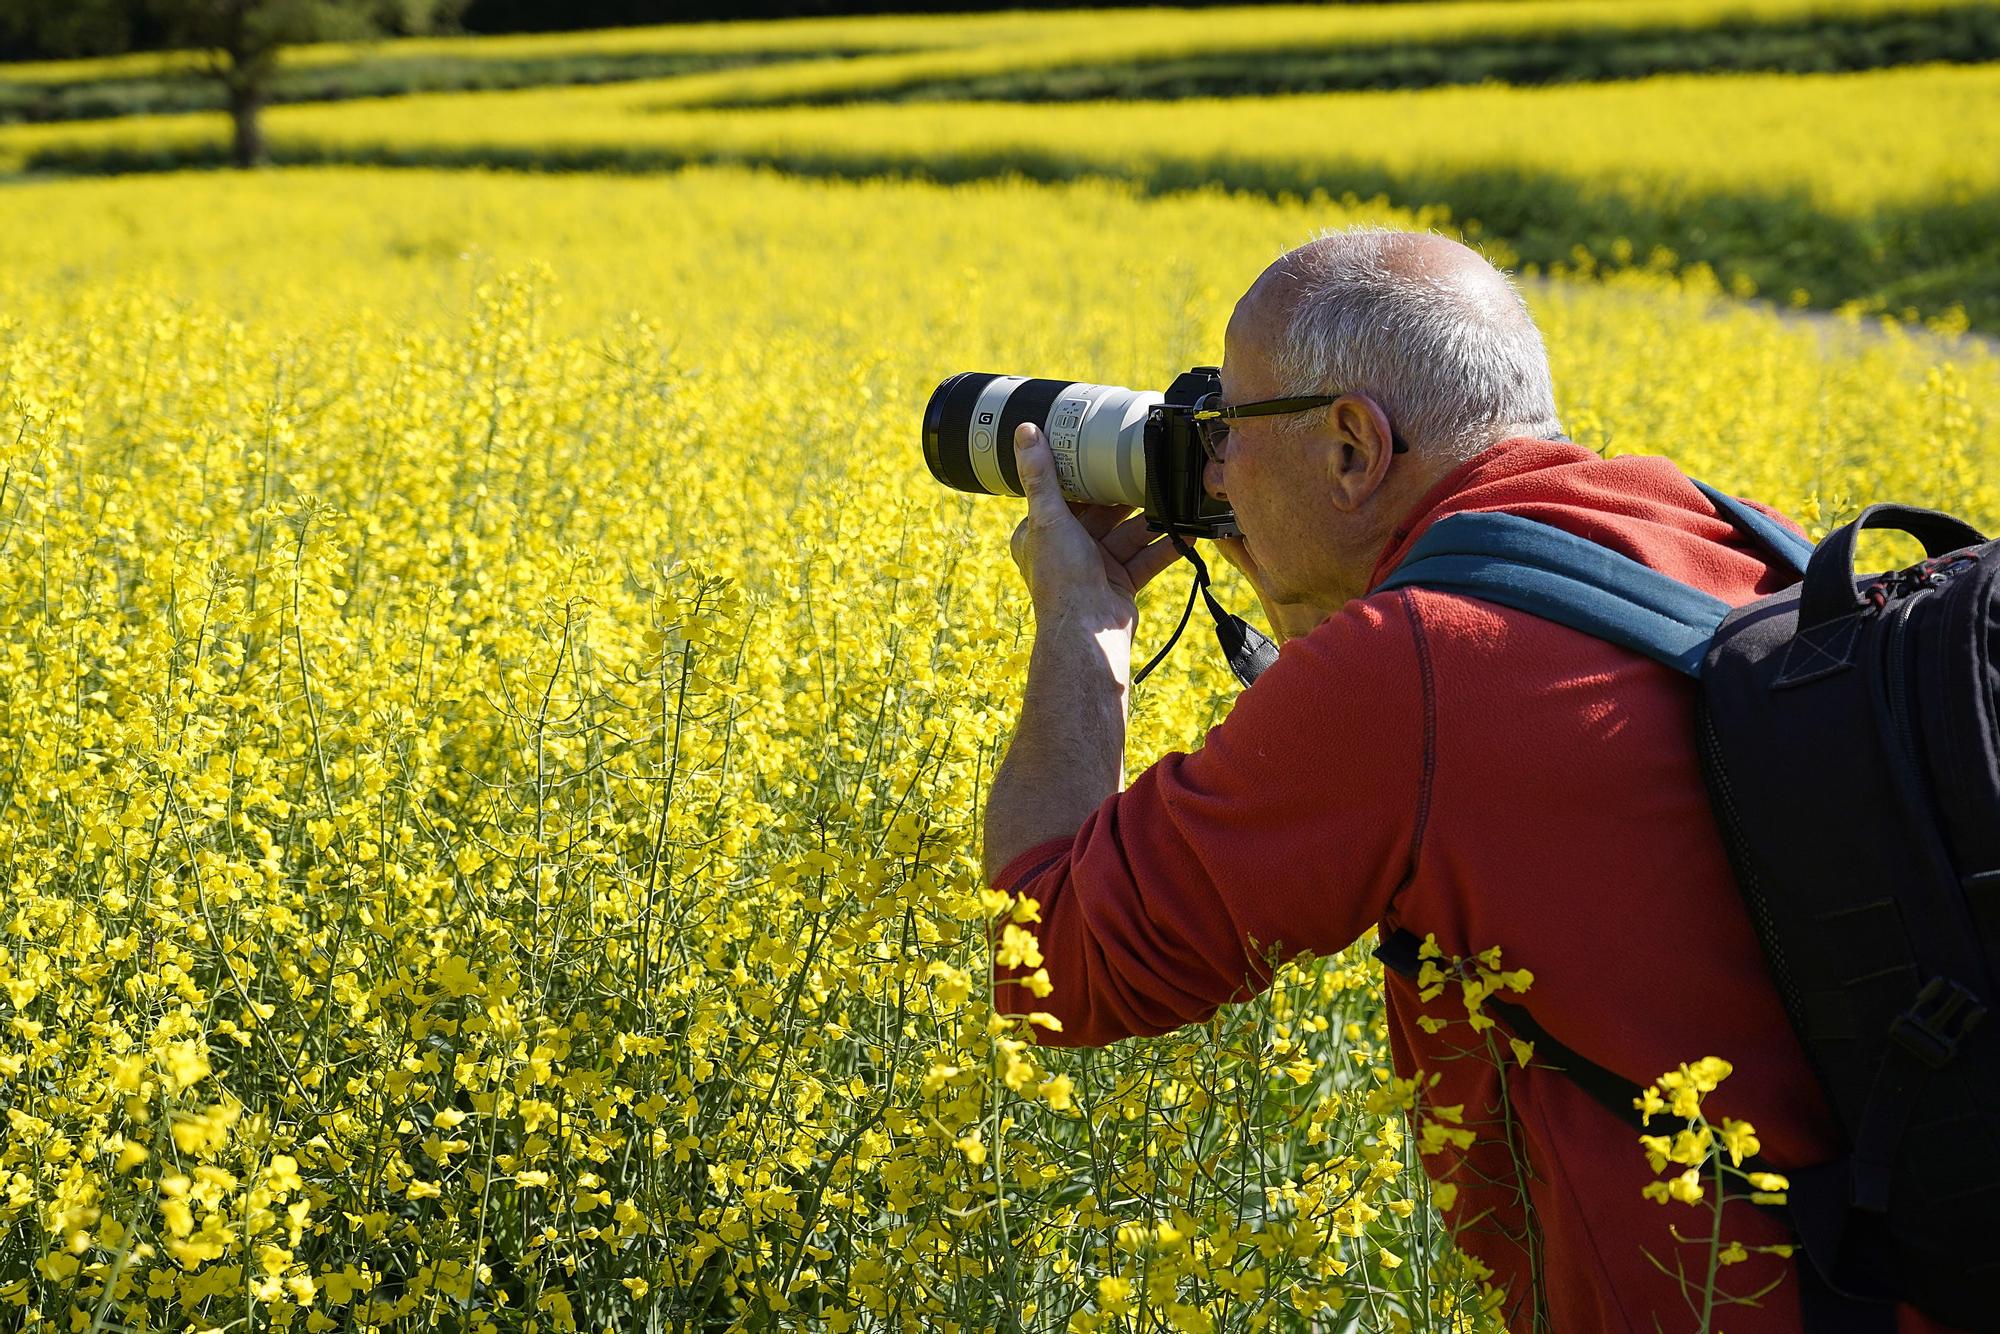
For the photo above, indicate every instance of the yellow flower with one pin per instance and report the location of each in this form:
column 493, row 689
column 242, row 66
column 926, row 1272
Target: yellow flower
column 1740, row 1139
column 281, row 1174
column 1690, row 1147
column 1708, row 1072
column 454, row 973
column 1058, row 1092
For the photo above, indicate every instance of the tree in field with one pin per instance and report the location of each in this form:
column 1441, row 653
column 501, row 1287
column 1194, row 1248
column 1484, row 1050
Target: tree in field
column 243, row 38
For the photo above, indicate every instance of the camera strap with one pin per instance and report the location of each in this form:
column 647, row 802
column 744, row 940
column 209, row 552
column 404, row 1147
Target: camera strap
column 1247, row 651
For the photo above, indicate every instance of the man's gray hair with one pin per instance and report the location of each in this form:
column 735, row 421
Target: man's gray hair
column 1450, row 356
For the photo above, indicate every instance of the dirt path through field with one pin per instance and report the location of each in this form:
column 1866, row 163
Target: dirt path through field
column 1836, row 331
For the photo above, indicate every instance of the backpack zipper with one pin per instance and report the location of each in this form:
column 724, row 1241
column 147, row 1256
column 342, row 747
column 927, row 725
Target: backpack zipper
column 1898, row 651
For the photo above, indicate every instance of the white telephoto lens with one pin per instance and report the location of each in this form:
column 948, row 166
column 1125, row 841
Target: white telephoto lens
column 1097, row 433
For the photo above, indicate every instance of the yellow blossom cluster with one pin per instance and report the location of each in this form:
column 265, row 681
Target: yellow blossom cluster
column 491, row 758
column 1707, row 1163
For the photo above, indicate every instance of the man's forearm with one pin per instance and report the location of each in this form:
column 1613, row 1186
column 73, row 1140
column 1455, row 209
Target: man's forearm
column 1068, row 751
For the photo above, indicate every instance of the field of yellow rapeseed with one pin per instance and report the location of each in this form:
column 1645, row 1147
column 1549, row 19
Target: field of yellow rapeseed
column 942, row 50
column 1869, row 190
column 494, row 723
column 932, row 46
column 1847, row 145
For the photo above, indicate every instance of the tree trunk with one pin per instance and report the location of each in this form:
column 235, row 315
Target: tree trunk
column 246, row 104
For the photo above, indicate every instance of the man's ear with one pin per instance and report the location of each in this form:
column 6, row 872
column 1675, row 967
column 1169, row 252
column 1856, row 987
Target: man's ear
column 1360, row 445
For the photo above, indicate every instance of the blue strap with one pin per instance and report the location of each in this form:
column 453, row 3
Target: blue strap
column 1531, row 567
column 1794, row 550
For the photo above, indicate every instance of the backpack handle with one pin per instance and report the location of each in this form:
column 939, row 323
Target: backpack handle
column 1829, row 591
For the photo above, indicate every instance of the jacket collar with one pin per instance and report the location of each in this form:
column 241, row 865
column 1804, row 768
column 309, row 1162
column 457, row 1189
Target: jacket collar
column 1508, row 458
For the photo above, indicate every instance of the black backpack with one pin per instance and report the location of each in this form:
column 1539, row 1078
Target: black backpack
column 1849, row 734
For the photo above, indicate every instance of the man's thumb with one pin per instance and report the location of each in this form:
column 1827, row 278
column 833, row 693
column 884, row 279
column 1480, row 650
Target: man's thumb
column 1037, row 467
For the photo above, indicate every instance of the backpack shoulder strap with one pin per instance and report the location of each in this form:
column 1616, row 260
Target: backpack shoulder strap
column 1794, row 550
column 1531, row 567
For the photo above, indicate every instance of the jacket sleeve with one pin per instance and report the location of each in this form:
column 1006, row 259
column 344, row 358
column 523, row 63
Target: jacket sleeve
column 1289, row 830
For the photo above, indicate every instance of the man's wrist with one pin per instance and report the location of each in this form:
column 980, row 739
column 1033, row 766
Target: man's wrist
column 1091, row 603
column 1068, row 750
column 1103, row 625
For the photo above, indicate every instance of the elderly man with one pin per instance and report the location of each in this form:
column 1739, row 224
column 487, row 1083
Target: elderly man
column 1416, row 760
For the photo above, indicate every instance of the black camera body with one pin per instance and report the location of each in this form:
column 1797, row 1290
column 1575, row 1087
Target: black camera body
column 1177, row 501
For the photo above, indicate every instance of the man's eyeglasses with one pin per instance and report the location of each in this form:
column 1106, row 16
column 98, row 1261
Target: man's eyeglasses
column 1212, row 419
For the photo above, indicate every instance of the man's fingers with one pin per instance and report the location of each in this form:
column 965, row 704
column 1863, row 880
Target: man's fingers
column 1125, row 540
column 1149, row 561
column 1037, row 467
column 1097, row 520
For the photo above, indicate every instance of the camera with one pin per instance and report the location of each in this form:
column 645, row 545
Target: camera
column 1112, row 445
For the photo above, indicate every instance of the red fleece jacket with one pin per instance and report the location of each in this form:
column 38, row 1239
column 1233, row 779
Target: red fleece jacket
column 1463, row 770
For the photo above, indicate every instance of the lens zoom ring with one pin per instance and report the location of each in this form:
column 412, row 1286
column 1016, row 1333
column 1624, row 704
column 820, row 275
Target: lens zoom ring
column 1030, row 402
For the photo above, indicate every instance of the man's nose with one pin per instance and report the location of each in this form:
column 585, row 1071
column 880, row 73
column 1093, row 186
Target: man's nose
column 1211, row 480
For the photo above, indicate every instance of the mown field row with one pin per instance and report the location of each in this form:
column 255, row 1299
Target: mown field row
column 1872, row 190
column 1070, row 55
column 1427, row 44
column 1149, row 32
column 388, row 76
column 493, row 756
column 1277, row 59
column 1815, row 44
